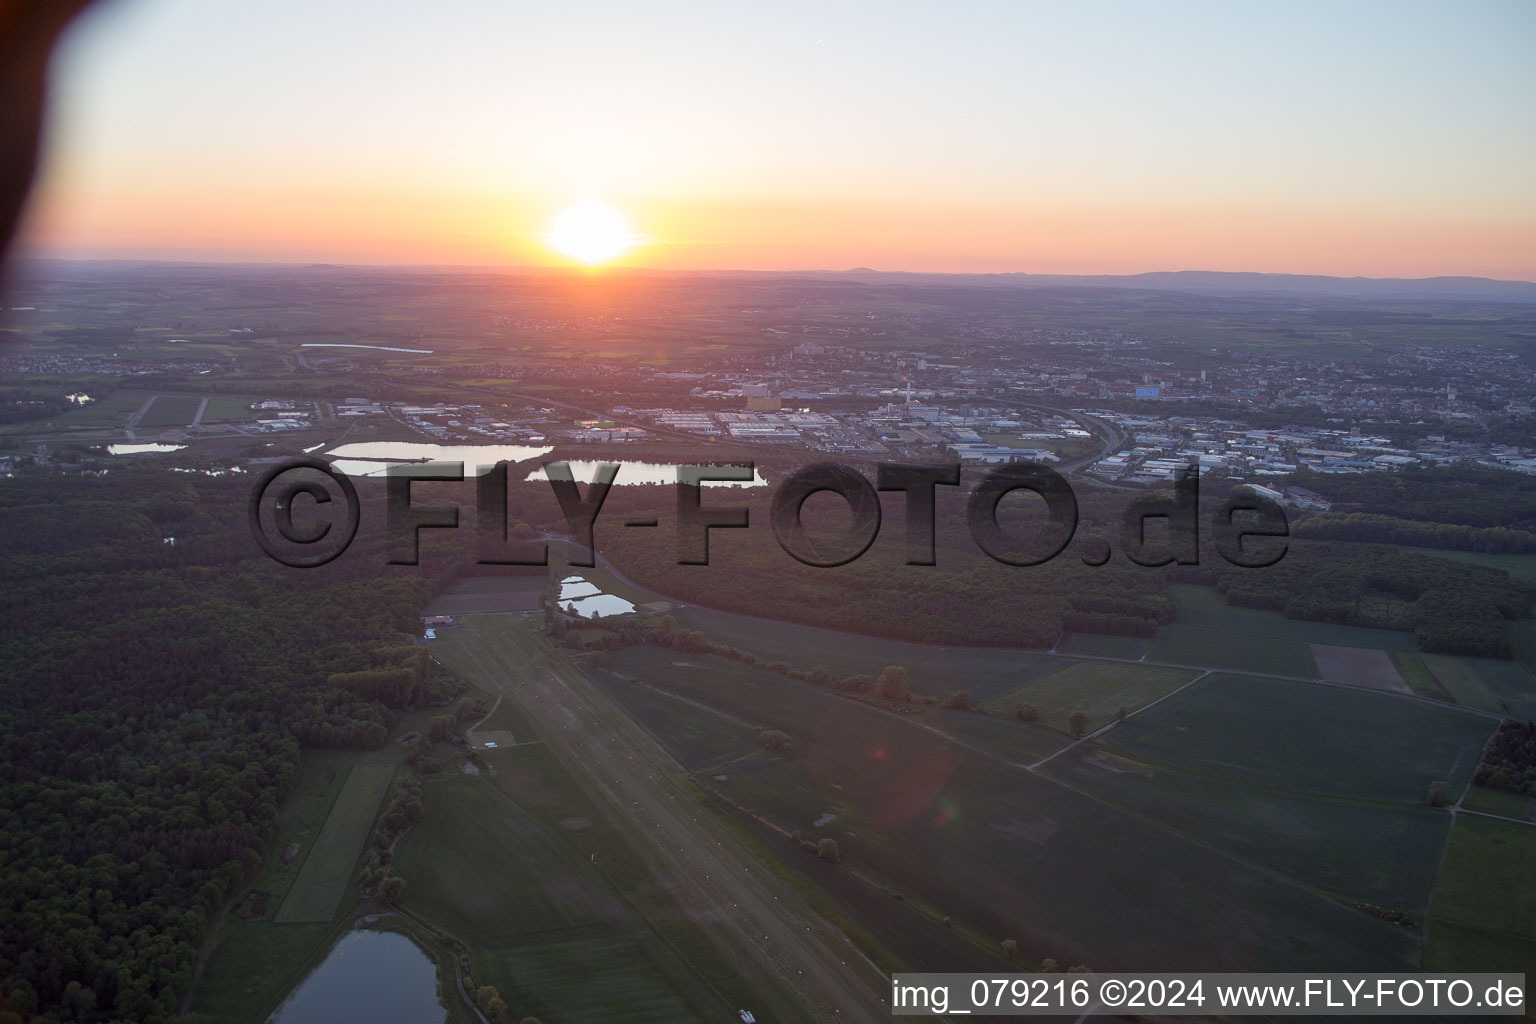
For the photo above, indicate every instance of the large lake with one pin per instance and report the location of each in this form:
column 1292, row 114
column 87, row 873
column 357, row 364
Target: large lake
column 138, row 449
column 379, row 977
column 381, row 348
column 645, row 473
column 374, row 458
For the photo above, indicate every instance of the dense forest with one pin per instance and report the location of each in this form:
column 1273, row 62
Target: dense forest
column 156, row 698
column 966, row 598
column 1509, row 760
column 1461, row 495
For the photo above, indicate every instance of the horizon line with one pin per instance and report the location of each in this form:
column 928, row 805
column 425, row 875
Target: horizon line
column 593, row 271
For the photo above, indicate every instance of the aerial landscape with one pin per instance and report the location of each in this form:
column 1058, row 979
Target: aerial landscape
column 638, row 623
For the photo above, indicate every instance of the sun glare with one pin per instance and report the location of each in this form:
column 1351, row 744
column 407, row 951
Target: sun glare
column 591, row 232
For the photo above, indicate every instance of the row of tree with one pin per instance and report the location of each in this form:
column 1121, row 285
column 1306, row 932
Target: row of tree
column 1452, row 607
column 1373, row 528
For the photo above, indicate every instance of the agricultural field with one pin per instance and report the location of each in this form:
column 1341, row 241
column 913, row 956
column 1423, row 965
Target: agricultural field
column 695, row 736
column 256, row 961
column 1459, row 678
column 1495, row 685
column 539, row 818
column 479, row 594
column 1020, row 855
column 754, row 697
column 1103, row 646
column 113, row 410
column 1483, row 914
column 1008, row 738
column 1203, row 607
column 1219, row 649
column 1209, row 633
column 1523, row 640
column 327, row 871
column 1379, row 853
column 934, row 671
column 1512, row 681
column 1499, row 801
column 1097, row 688
column 222, row 409
column 1410, row 665
column 1359, row 666
column 170, row 411
column 1006, row 853
column 1309, row 738
column 483, row 869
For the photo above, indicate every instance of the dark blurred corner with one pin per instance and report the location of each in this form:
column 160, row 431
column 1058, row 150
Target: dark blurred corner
column 28, row 31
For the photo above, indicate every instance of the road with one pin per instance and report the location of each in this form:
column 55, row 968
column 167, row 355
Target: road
column 133, row 421
column 750, row 912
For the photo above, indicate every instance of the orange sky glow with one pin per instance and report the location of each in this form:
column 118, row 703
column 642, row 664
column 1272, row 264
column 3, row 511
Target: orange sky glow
column 1024, row 137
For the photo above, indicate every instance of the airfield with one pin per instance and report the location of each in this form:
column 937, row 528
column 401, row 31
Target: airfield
column 1234, row 803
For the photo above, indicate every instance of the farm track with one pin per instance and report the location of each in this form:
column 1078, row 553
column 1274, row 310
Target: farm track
column 747, row 910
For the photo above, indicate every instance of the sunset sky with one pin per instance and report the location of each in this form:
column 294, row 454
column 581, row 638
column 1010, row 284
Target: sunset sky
column 1381, row 139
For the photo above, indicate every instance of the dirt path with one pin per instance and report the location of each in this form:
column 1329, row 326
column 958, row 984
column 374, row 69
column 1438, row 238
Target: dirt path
column 469, row 732
column 745, row 907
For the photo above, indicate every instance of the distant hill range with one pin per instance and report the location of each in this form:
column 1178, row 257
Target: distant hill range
column 1209, row 282
column 1189, row 282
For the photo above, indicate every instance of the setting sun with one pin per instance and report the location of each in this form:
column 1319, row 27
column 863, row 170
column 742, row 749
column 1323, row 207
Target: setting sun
column 591, row 232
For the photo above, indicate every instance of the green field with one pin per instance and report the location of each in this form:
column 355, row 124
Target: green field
column 1203, row 607
column 1483, row 916
column 1308, row 738
column 327, row 871
column 1007, row 853
column 1000, row 850
column 1510, row 680
column 1103, row 646
column 1499, row 801
column 113, row 410
column 1354, row 849
column 534, row 909
column 1491, row 684
column 1098, row 688
column 1523, row 639
column 1410, row 665
column 256, row 962
column 532, row 872
column 1449, row 946
column 255, row 966
column 477, row 594
column 221, row 409
column 1221, row 649
column 1210, row 633
column 1006, row 738
column 170, row 411
column 694, row 736
column 934, row 671
column 1461, row 680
